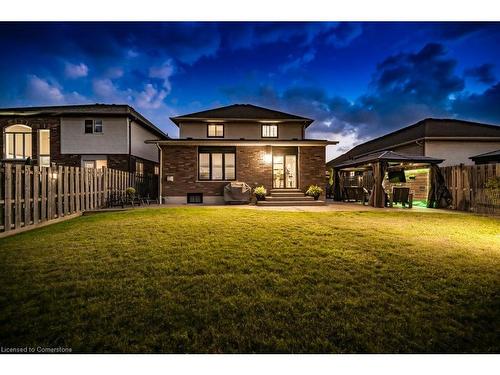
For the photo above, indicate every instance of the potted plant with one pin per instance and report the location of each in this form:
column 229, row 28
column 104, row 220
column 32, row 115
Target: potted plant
column 314, row 191
column 260, row 193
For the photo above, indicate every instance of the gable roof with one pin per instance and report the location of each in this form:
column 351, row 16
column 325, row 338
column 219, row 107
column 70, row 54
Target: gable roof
column 239, row 112
column 429, row 128
column 85, row 109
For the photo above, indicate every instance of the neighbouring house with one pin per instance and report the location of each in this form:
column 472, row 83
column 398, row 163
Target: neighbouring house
column 405, row 151
column 244, row 143
column 92, row 136
column 455, row 141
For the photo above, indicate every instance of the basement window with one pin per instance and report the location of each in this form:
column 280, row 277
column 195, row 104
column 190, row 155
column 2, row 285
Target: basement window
column 194, row 198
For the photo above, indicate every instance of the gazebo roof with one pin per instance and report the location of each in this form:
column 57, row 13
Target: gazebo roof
column 387, row 156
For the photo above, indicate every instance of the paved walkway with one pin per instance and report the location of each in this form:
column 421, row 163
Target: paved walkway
column 329, row 207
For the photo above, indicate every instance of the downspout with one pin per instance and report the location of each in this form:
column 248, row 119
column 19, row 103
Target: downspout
column 160, row 174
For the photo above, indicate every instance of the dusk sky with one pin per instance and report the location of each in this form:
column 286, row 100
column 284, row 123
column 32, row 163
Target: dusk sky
column 357, row 80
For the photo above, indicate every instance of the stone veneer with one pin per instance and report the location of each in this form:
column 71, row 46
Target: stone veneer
column 182, row 163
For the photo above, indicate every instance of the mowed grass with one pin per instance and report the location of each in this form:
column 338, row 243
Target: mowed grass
column 226, row 280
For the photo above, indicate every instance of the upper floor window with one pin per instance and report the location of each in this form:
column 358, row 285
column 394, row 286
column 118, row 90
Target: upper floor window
column 93, row 126
column 215, row 130
column 269, row 131
column 17, row 140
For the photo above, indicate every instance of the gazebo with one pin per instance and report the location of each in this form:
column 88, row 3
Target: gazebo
column 384, row 161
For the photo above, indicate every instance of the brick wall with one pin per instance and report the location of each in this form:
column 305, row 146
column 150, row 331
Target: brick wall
column 312, row 168
column 419, row 186
column 181, row 162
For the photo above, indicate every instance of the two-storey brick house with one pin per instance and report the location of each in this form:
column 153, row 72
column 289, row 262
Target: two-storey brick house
column 239, row 142
column 92, row 136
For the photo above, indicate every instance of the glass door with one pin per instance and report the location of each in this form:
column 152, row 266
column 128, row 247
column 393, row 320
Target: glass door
column 291, row 171
column 278, row 172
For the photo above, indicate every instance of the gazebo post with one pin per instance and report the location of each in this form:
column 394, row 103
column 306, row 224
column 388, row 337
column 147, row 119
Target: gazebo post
column 377, row 198
column 336, row 185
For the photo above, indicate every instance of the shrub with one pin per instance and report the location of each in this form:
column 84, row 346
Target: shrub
column 314, row 191
column 260, row 192
column 492, row 189
column 130, row 191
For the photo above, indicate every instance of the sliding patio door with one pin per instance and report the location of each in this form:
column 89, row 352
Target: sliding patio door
column 285, row 168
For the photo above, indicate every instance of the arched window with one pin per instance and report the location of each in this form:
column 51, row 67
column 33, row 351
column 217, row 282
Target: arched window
column 17, row 141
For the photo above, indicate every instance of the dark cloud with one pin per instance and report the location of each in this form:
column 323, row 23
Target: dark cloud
column 457, row 30
column 482, row 73
column 479, row 107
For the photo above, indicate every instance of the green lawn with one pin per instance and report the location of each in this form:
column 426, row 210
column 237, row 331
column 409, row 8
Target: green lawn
column 236, row 280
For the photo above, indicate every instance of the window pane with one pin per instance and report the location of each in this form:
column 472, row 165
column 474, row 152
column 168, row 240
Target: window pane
column 229, row 168
column 44, row 161
column 44, row 142
column 19, row 140
column 216, row 166
column 139, row 167
column 204, row 167
column 9, row 146
column 98, row 126
column 269, row 131
column 89, row 125
column 27, row 145
column 215, row 130
column 89, row 164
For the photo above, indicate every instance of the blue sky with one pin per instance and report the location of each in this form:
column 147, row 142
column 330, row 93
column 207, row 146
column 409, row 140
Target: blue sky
column 357, row 80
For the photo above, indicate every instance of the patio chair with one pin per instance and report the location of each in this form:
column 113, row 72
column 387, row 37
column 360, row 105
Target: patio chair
column 401, row 195
column 115, row 199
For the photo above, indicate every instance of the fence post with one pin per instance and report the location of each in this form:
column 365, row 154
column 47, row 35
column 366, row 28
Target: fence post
column 72, row 189
column 18, row 204
column 27, row 193
column 8, row 195
column 77, row 189
column 36, row 194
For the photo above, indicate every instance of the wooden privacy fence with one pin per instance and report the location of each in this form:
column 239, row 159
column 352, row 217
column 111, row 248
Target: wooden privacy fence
column 466, row 183
column 33, row 195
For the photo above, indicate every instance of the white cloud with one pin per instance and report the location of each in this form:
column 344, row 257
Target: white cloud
column 42, row 92
column 163, row 72
column 150, row 97
column 76, row 70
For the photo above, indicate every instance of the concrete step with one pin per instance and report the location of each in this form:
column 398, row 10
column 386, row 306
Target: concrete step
column 267, row 203
column 285, row 191
column 287, row 194
column 289, row 198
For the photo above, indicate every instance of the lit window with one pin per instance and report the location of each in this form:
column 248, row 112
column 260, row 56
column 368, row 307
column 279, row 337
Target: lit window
column 217, row 167
column 217, row 163
column 89, row 164
column 139, row 167
column 93, row 126
column 44, row 147
column 216, row 131
column 229, row 167
column 17, row 140
column 157, row 170
column 269, row 131
column 204, row 167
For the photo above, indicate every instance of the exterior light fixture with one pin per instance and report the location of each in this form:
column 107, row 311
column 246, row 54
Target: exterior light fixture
column 268, row 158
